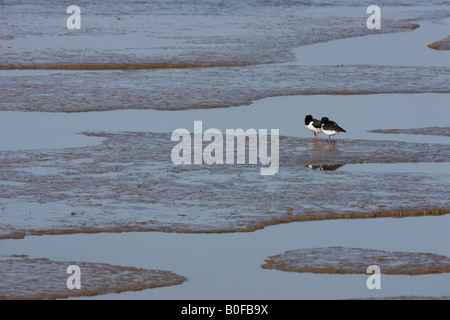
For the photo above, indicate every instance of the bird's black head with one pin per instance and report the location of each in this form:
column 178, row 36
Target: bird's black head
column 324, row 120
column 308, row 119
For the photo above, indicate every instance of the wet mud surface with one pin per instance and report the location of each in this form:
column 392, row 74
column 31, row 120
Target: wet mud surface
column 149, row 34
column 339, row 260
column 431, row 131
column 129, row 183
column 24, row 278
column 239, row 59
column 203, row 88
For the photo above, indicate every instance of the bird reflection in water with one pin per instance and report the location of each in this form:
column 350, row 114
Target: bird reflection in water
column 325, row 167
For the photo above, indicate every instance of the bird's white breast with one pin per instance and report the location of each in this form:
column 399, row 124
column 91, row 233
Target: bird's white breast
column 329, row 132
column 312, row 128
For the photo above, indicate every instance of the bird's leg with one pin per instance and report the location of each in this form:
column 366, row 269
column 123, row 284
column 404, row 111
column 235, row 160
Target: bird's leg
column 329, row 139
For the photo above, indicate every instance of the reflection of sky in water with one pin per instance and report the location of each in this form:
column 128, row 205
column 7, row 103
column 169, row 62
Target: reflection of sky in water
column 357, row 114
column 398, row 49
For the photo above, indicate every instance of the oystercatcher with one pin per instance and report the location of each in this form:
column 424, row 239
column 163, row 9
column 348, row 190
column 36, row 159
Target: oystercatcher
column 330, row 128
column 313, row 125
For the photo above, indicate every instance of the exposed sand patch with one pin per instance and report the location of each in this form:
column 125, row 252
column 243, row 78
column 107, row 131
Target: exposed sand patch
column 204, row 88
column 30, row 279
column 234, row 63
column 443, row 44
column 129, row 183
column 162, row 35
column 354, row 260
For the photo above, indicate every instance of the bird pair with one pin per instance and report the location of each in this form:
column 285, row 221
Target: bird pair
column 330, row 128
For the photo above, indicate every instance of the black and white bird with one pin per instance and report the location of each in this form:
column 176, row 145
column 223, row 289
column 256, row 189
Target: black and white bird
column 330, row 128
column 313, row 125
